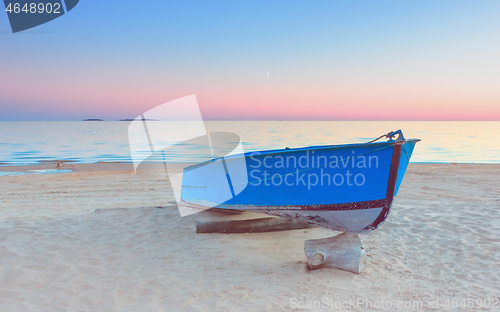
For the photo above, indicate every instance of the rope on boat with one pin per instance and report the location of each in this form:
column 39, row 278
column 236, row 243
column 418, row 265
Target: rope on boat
column 391, row 136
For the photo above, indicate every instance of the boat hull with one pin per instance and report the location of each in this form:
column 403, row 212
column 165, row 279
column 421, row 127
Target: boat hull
column 348, row 188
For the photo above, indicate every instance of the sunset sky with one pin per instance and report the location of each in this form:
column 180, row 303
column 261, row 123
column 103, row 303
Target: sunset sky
column 327, row 60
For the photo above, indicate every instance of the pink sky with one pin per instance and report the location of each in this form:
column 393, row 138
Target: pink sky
column 261, row 98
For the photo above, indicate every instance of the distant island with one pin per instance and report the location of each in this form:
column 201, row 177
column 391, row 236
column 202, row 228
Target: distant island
column 126, row 119
column 145, row 119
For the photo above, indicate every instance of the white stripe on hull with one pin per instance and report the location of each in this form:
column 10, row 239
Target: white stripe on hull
column 353, row 221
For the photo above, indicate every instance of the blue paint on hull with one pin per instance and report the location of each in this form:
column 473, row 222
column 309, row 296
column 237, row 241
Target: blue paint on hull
column 406, row 153
column 332, row 176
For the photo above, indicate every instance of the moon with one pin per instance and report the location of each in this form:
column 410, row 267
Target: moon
column 267, row 75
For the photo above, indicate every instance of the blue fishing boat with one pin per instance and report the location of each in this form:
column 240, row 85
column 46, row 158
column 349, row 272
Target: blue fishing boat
column 347, row 188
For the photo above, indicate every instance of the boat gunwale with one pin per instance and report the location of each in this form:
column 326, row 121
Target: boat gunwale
column 289, row 150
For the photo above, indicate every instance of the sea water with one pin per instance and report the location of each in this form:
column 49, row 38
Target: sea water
column 25, row 143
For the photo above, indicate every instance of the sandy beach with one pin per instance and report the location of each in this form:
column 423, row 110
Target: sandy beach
column 102, row 238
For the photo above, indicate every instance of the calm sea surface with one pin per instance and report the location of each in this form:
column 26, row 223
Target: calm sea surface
column 23, row 143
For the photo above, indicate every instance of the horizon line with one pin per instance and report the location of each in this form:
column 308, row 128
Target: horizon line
column 349, row 120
